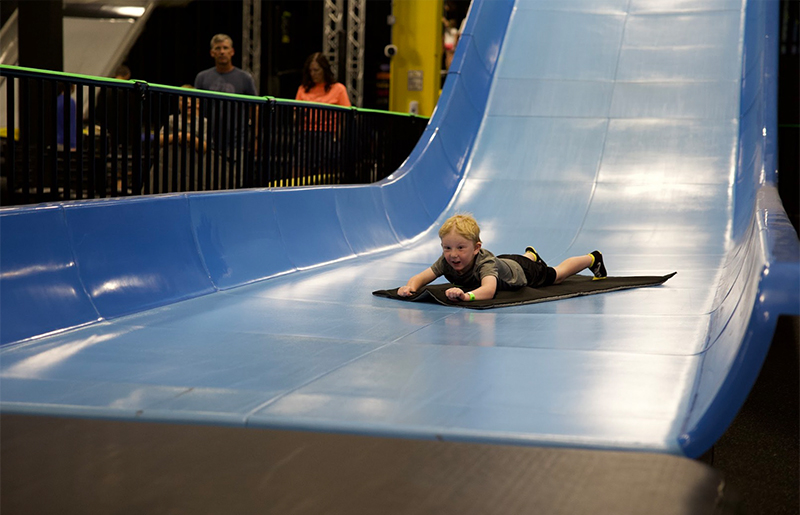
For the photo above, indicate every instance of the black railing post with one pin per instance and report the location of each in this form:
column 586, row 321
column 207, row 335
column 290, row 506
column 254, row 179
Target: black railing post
column 247, row 142
column 248, row 157
column 52, row 146
column 126, row 138
column 91, row 151
column 201, row 139
column 238, row 152
column 358, row 145
column 193, row 148
column 343, row 145
column 139, row 93
column 358, row 151
column 271, row 144
column 156, row 171
column 219, row 158
column 30, row 131
column 224, row 127
column 149, row 148
column 291, row 148
column 79, row 171
column 103, row 172
column 182, row 143
column 171, row 169
column 305, row 134
column 11, row 158
column 264, row 117
column 114, row 108
column 203, row 168
column 66, row 142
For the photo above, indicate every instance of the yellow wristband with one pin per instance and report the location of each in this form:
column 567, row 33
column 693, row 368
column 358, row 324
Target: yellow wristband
column 471, row 296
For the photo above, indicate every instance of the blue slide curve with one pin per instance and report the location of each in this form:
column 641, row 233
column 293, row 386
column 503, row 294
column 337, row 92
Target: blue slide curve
column 642, row 128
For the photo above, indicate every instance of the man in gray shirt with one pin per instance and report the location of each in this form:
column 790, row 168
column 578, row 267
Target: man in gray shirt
column 224, row 76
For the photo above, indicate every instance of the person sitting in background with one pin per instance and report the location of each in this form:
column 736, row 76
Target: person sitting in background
column 110, row 110
column 173, row 140
column 450, row 36
column 192, row 125
column 122, row 72
column 73, row 133
column 319, row 85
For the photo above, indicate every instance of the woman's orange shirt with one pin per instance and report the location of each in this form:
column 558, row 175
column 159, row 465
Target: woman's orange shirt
column 337, row 95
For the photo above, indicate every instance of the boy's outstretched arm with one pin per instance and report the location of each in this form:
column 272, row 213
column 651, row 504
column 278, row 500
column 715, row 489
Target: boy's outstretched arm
column 485, row 291
column 417, row 282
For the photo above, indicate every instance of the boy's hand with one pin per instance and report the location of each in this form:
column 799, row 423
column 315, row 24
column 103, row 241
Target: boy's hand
column 456, row 294
column 405, row 291
column 416, row 282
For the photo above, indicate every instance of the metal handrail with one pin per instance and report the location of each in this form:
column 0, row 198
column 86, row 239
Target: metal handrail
column 138, row 138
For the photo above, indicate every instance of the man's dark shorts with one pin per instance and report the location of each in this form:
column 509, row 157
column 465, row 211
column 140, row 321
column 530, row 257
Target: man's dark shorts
column 536, row 273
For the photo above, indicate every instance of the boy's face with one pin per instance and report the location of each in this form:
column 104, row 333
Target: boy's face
column 458, row 251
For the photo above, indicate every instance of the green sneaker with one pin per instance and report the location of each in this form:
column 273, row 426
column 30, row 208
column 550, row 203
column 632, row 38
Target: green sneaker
column 597, row 267
column 536, row 257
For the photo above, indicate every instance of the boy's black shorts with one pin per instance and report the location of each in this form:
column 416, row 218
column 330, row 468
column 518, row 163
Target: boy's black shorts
column 537, row 274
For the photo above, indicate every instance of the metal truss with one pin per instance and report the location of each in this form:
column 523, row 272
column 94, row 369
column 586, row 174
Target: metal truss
column 333, row 25
column 332, row 17
column 251, row 39
column 354, row 70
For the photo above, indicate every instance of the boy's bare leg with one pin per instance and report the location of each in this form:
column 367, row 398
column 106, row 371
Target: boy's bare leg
column 571, row 266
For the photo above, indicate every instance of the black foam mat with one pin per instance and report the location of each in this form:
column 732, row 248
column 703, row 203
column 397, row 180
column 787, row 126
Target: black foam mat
column 575, row 286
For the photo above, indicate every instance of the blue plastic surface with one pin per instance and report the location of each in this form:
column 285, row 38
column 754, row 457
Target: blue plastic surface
column 41, row 290
column 237, row 250
column 137, row 254
column 643, row 128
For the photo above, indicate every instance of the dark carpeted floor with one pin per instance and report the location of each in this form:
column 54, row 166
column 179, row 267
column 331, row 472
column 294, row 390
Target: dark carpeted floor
column 759, row 455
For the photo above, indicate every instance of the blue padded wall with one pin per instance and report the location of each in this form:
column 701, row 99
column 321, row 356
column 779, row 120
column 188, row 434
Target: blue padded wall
column 761, row 277
column 136, row 255
column 41, row 288
column 238, row 237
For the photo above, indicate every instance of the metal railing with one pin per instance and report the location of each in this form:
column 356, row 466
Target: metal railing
column 119, row 138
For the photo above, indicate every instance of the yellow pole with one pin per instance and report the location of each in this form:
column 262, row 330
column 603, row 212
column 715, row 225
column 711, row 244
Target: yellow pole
column 416, row 67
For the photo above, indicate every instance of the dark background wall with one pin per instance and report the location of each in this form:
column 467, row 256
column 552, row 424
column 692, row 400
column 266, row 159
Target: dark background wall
column 789, row 109
column 175, row 43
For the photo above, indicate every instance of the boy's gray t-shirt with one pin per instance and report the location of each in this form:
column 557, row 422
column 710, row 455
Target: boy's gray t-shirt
column 509, row 273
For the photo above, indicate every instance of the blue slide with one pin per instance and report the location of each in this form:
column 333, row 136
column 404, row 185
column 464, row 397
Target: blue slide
column 643, row 128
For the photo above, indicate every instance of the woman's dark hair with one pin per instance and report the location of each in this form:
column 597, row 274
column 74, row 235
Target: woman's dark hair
column 323, row 63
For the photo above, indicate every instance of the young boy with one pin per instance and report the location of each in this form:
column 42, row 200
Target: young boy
column 479, row 274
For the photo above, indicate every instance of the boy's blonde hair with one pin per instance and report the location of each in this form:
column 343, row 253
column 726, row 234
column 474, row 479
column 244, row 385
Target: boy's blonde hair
column 464, row 224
